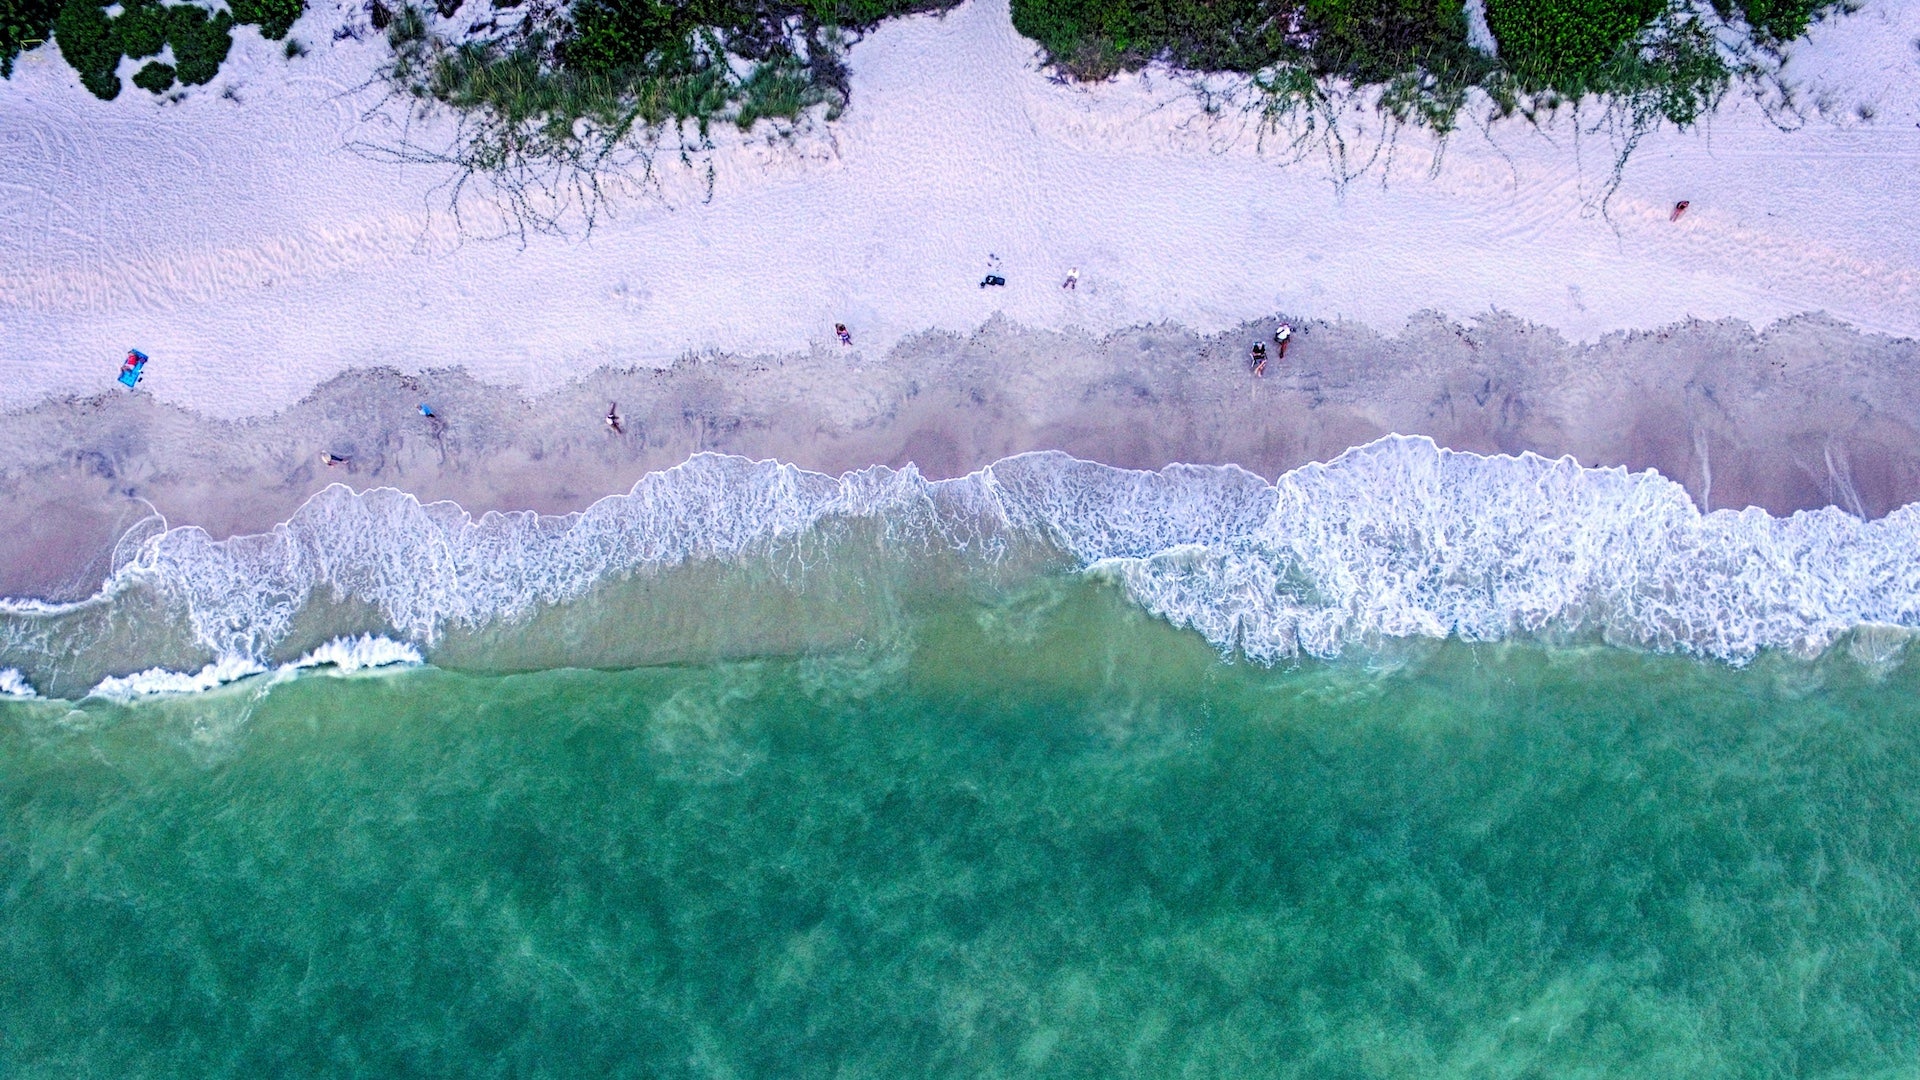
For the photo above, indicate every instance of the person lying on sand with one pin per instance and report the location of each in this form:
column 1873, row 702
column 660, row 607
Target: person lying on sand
column 1073, row 280
column 1259, row 359
column 331, row 460
column 613, row 418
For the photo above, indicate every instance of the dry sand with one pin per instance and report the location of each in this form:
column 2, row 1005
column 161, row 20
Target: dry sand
column 234, row 237
column 1809, row 412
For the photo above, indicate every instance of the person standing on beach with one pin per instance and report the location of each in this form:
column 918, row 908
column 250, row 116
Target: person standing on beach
column 1281, row 336
column 840, row 331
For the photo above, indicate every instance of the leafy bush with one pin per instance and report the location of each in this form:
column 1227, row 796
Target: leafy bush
column 558, row 87
column 273, row 17
column 143, row 28
column 155, row 77
column 1776, row 21
column 24, row 24
column 200, row 42
column 1369, row 40
column 91, row 44
column 1564, row 45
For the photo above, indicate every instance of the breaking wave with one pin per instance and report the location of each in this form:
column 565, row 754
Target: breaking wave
column 1394, row 539
column 344, row 655
column 15, row 685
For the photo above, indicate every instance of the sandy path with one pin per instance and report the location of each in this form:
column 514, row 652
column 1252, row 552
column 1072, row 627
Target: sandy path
column 253, row 257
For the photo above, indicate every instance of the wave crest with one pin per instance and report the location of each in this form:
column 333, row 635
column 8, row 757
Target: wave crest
column 1397, row 538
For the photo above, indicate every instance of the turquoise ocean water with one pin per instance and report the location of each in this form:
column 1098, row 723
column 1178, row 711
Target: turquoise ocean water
column 1026, row 831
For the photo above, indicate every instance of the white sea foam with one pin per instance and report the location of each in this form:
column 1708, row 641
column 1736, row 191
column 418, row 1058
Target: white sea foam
column 162, row 681
column 348, row 655
column 15, row 685
column 1392, row 539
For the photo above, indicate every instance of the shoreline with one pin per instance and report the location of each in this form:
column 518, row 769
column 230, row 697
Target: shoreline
column 1806, row 413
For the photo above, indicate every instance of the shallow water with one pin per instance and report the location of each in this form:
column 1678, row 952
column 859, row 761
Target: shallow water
column 1042, row 834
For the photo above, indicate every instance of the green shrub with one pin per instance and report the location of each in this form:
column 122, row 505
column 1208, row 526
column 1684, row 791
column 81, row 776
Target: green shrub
column 1564, row 45
column 566, row 91
column 200, row 42
column 155, row 77
column 24, row 24
column 91, row 45
column 273, row 17
column 1776, row 21
column 1365, row 40
column 143, row 28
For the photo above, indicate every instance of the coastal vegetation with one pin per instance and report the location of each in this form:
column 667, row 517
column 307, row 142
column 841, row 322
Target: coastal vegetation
column 1666, row 59
column 93, row 40
column 569, row 82
column 558, row 81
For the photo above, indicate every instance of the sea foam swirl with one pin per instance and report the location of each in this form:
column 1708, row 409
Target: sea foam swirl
column 1393, row 539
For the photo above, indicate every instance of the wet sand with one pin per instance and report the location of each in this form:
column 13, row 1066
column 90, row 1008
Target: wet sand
column 1807, row 413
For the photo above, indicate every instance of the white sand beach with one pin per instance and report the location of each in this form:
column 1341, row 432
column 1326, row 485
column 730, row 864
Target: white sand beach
column 235, row 238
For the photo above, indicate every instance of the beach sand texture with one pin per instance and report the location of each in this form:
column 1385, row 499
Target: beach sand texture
column 235, row 237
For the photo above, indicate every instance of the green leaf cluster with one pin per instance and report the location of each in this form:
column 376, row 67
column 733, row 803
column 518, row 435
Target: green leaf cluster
column 1775, row 21
column 24, row 24
column 155, row 77
column 93, row 43
column 1367, row 40
column 1566, row 45
column 200, row 42
column 273, row 17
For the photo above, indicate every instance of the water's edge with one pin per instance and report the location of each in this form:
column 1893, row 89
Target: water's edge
column 1399, row 538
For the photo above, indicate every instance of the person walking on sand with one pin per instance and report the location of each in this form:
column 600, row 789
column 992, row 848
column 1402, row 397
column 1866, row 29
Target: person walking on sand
column 1072, row 284
column 840, row 331
column 1281, row 336
column 613, row 418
